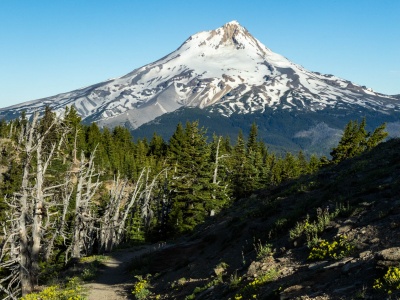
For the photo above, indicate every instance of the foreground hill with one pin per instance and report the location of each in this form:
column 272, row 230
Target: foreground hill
column 261, row 247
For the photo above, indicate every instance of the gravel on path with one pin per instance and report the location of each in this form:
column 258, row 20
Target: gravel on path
column 114, row 281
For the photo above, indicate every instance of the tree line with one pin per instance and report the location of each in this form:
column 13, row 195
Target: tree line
column 69, row 189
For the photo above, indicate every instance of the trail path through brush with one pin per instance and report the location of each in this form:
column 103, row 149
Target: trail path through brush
column 114, row 281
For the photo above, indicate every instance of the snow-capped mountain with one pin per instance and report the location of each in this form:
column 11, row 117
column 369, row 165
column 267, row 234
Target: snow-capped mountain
column 225, row 70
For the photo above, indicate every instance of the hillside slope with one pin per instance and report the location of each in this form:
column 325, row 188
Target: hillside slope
column 282, row 130
column 258, row 248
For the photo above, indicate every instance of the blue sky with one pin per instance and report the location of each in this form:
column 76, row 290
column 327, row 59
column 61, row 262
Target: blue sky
column 50, row 47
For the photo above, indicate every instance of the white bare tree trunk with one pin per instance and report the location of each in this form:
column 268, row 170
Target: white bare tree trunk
column 60, row 226
column 216, row 162
column 85, row 191
column 26, row 275
column 134, row 198
column 110, row 219
column 25, row 230
column 11, row 130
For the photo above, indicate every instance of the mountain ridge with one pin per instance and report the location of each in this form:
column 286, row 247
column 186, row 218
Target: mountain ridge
column 225, row 70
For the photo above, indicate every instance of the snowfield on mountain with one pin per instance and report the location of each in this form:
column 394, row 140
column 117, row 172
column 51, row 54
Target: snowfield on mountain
column 225, row 70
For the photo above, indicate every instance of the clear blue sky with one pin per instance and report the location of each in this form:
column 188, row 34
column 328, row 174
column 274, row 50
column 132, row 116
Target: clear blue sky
column 50, row 47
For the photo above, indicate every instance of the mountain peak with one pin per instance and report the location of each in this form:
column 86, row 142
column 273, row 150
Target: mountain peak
column 233, row 25
column 226, row 69
column 231, row 31
column 229, row 35
column 233, row 22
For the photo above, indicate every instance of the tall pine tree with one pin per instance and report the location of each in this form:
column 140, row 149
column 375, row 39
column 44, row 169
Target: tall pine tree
column 191, row 183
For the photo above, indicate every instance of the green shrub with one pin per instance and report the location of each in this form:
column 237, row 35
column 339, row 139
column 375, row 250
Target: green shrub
column 91, row 266
column 251, row 289
column 338, row 249
column 389, row 282
column 311, row 229
column 234, row 280
column 89, row 273
column 262, row 250
column 71, row 291
column 141, row 288
column 219, row 271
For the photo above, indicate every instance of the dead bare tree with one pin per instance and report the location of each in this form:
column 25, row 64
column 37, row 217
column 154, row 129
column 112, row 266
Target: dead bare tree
column 83, row 236
column 39, row 206
column 215, row 175
column 23, row 235
column 121, row 204
column 11, row 130
column 9, row 254
column 111, row 216
column 38, row 211
column 147, row 196
column 62, row 194
column 117, row 211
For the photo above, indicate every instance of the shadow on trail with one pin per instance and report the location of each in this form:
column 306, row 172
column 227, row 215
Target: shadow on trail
column 113, row 280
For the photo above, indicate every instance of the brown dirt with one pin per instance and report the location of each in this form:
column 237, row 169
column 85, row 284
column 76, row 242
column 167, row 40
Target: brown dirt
column 114, row 281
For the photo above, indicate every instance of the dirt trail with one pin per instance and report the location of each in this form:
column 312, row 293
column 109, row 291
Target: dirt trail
column 114, row 281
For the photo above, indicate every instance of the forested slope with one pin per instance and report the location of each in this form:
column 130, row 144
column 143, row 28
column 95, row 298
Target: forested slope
column 70, row 190
column 330, row 235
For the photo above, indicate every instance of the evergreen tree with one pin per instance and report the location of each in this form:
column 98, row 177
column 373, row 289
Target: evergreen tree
column 226, row 145
column 124, row 151
column 238, row 167
column 76, row 135
column 377, row 136
column 277, row 169
column 356, row 140
column 302, row 162
column 313, row 164
column 351, row 142
column 249, row 172
column 157, row 147
column 291, row 167
column 141, row 155
column 93, row 138
column 49, row 127
column 252, row 143
column 110, row 157
column 4, row 129
column 175, row 146
column 191, row 185
column 266, row 165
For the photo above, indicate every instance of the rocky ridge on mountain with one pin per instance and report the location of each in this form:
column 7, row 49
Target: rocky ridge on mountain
column 225, row 70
